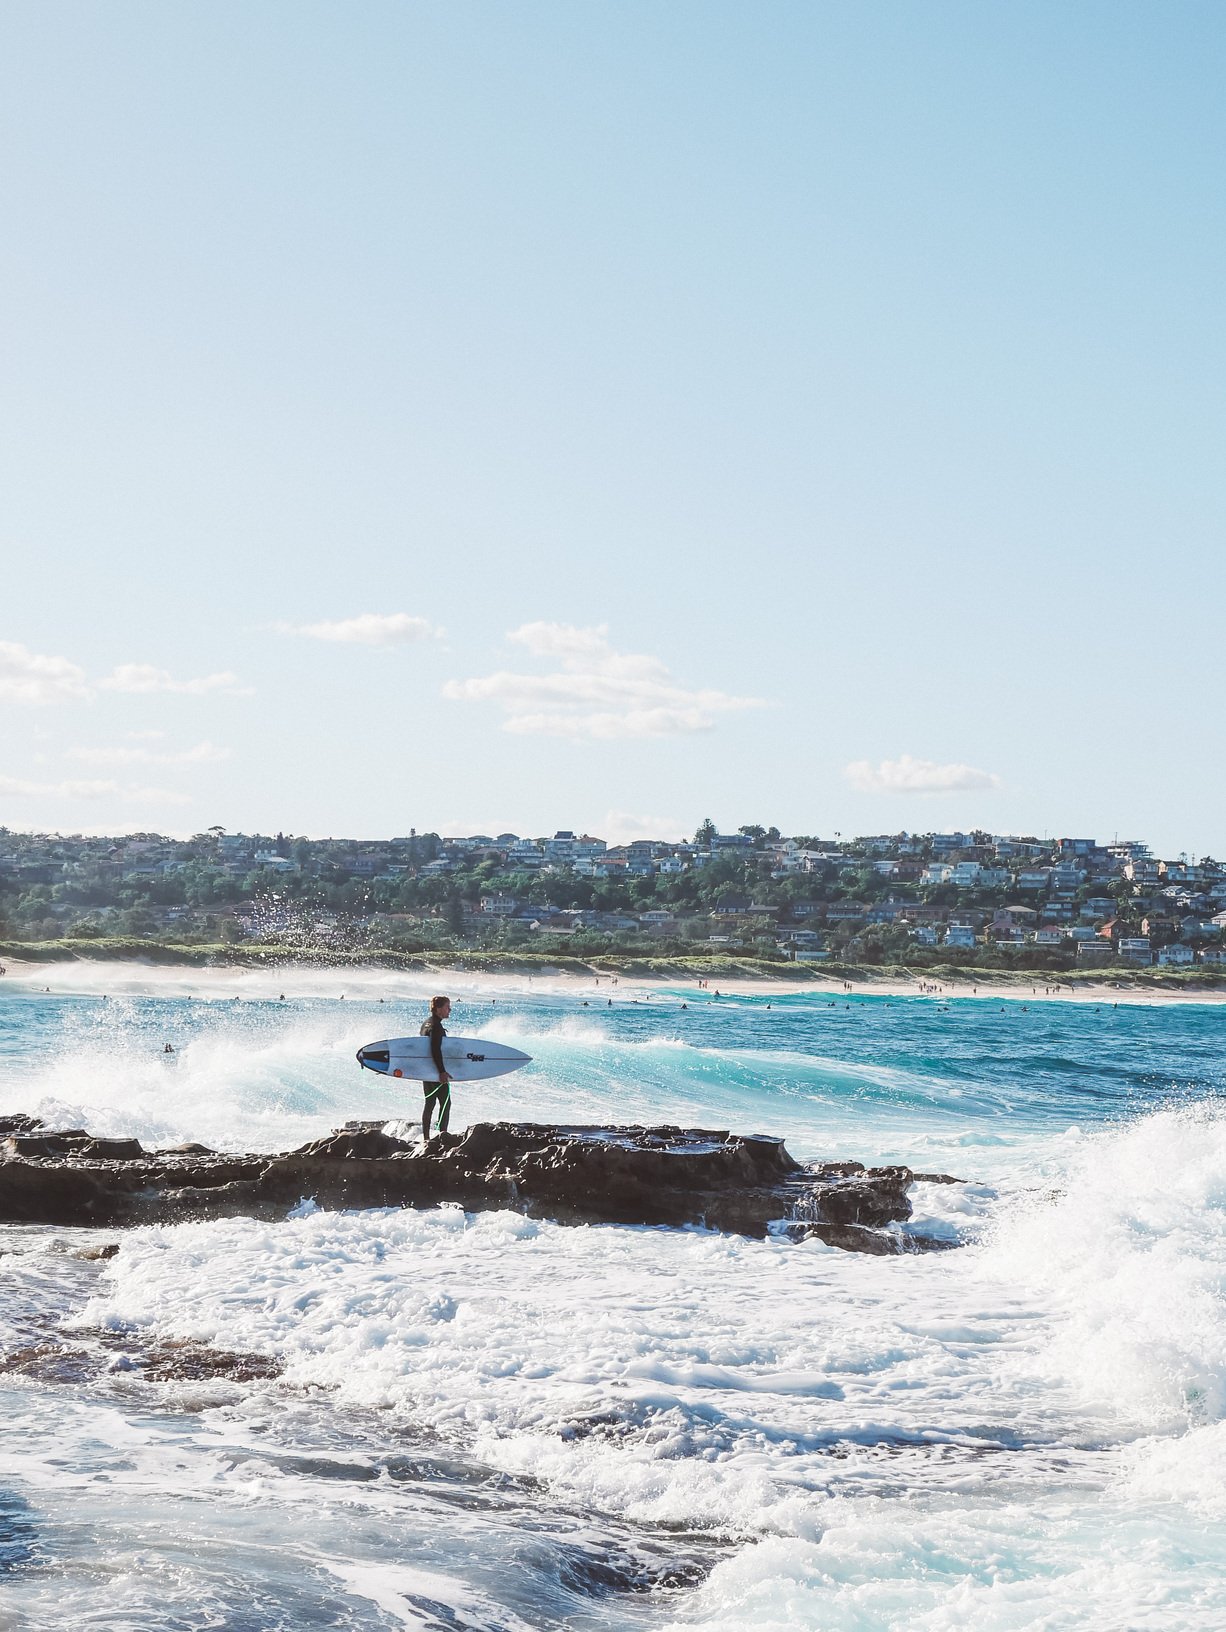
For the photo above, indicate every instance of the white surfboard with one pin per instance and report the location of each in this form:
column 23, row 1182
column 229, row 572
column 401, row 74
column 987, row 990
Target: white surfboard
column 468, row 1059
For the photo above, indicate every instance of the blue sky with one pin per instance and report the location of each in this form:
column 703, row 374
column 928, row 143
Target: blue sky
column 474, row 417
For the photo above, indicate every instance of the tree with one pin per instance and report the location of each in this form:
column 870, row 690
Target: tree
column 704, row 836
column 755, row 833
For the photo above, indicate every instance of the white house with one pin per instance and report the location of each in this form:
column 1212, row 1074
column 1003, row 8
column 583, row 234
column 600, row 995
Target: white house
column 499, row 906
column 1176, row 954
column 1034, row 878
column 276, row 863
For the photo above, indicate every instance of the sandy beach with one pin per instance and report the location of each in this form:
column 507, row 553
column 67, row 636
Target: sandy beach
column 370, row 983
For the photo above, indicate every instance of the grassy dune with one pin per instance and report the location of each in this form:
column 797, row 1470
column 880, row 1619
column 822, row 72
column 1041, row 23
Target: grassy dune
column 711, row 967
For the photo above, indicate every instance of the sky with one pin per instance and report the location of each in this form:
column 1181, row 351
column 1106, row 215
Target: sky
column 470, row 417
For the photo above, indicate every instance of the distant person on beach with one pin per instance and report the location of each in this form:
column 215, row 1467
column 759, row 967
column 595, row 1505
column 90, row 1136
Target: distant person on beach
column 437, row 1093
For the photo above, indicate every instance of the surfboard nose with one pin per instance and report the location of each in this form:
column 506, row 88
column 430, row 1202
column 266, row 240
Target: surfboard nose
column 374, row 1058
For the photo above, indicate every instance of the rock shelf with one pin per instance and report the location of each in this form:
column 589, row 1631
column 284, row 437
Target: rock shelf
column 664, row 1176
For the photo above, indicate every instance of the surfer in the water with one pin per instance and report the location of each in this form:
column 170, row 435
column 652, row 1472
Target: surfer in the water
column 437, row 1093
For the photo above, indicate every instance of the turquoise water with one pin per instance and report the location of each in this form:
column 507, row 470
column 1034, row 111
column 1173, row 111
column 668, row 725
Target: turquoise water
column 489, row 1422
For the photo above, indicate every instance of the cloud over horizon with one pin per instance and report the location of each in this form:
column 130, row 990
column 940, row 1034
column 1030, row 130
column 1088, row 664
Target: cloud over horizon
column 32, row 677
column 203, row 753
column 37, row 678
column 368, row 629
column 15, row 787
column 623, row 826
column 144, row 678
column 596, row 693
column 908, row 775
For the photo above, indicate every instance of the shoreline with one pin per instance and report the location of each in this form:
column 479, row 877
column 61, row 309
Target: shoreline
column 312, row 977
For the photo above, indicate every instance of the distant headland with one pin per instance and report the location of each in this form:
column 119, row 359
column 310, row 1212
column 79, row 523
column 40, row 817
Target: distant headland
column 753, row 902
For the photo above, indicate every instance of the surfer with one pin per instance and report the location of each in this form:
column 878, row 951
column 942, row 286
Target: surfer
column 436, row 1092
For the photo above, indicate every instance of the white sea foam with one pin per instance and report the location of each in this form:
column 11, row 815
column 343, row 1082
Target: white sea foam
column 1130, row 1258
column 1026, row 1433
column 955, row 1440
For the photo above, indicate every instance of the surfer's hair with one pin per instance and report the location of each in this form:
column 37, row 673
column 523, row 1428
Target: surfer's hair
column 436, row 1003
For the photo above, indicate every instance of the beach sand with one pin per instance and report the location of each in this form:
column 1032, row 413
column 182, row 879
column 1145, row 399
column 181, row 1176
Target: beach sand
column 114, row 977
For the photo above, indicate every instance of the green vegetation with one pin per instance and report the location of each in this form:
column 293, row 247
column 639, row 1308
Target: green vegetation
column 901, row 905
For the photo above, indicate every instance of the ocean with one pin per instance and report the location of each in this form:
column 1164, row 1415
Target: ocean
column 447, row 1421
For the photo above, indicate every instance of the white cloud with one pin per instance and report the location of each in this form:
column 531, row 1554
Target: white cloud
column 908, row 775
column 597, row 693
column 368, row 629
column 202, row 753
column 144, row 678
column 15, row 787
column 621, row 826
column 30, row 677
column 564, row 640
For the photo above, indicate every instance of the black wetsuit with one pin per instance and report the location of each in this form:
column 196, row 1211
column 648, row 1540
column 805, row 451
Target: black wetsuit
column 435, row 1092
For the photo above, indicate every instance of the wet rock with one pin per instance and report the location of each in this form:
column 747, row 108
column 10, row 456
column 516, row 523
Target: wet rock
column 51, row 1362
column 668, row 1175
column 358, row 1143
column 19, row 1122
column 169, row 1361
column 76, row 1142
column 186, row 1362
column 189, row 1149
column 849, row 1237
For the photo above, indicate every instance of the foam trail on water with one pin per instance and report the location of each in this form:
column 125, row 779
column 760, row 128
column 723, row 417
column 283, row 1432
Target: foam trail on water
column 995, row 1412
column 1024, row 1433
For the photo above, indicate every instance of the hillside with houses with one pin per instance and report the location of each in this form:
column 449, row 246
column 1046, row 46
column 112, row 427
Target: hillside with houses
column 978, row 899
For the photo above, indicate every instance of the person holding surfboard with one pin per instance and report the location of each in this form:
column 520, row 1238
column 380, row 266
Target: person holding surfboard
column 437, row 1093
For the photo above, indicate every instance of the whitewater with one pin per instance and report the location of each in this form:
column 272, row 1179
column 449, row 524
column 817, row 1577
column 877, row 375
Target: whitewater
column 489, row 1422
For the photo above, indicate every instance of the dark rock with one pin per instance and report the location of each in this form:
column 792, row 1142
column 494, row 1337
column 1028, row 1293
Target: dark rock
column 355, row 1144
column 19, row 1122
column 169, row 1361
column 114, row 1150
column 850, row 1237
column 181, row 1361
column 76, row 1142
column 189, row 1149
column 574, row 1174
